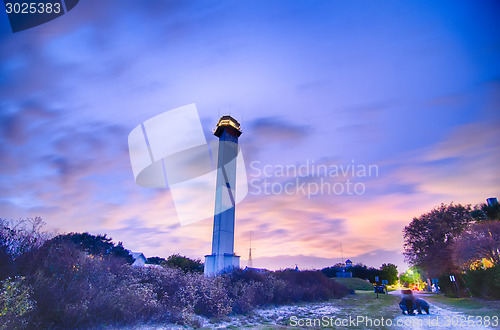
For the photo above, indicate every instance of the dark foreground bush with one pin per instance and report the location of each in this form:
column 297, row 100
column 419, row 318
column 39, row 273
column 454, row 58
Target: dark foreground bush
column 64, row 286
column 450, row 289
column 249, row 289
column 484, row 283
column 15, row 303
column 73, row 289
column 308, row 286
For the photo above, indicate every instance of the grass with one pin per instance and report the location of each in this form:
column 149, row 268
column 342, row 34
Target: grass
column 470, row 306
column 362, row 304
column 354, row 283
column 367, row 304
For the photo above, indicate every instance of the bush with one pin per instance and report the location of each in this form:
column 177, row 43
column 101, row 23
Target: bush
column 17, row 238
column 74, row 289
column 83, row 281
column 212, row 297
column 484, row 283
column 15, row 303
column 186, row 294
column 250, row 289
column 184, row 263
column 453, row 290
column 308, row 286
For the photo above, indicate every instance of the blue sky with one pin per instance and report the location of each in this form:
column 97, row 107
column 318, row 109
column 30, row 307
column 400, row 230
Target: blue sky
column 411, row 86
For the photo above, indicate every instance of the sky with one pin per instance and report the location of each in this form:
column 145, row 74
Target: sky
column 411, row 88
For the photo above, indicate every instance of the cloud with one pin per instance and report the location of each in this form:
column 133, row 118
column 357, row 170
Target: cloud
column 462, row 167
column 306, row 86
column 469, row 141
column 376, row 258
column 71, row 168
column 19, row 126
column 52, row 166
column 276, row 130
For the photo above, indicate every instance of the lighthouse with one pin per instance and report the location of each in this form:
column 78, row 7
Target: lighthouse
column 223, row 258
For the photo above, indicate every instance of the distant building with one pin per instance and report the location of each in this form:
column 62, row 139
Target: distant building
column 257, row 270
column 139, row 259
column 345, row 272
column 492, row 201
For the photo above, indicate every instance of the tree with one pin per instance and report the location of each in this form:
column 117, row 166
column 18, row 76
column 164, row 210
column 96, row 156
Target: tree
column 406, row 280
column 155, row 260
column 184, row 263
column 480, row 241
column 429, row 238
column 492, row 211
column 389, row 272
column 330, row 271
column 485, row 212
column 100, row 245
column 411, row 277
column 17, row 238
column 360, row 271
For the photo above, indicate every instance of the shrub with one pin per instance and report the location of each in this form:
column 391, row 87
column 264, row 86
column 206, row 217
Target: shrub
column 15, row 303
column 83, row 281
column 309, row 286
column 245, row 295
column 74, row 289
column 450, row 289
column 183, row 295
column 484, row 282
column 250, row 289
column 212, row 296
column 17, row 238
column 184, row 263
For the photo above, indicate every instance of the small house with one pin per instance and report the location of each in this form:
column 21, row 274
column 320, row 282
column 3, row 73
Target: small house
column 139, row 259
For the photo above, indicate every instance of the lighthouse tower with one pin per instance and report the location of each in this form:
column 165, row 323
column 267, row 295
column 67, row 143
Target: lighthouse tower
column 223, row 258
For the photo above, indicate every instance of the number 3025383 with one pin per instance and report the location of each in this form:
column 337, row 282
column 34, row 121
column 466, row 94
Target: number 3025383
column 33, row 8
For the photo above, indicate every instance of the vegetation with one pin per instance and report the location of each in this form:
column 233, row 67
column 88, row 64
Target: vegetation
column 95, row 246
column 411, row 278
column 484, row 282
column 429, row 238
column 84, row 281
column 15, row 303
column 386, row 306
column 155, row 260
column 468, row 306
column 460, row 241
column 354, row 283
column 387, row 272
column 478, row 244
column 184, row 263
column 17, row 238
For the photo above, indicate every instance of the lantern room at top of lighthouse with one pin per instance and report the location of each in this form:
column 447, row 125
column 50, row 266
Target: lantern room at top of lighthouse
column 228, row 123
